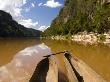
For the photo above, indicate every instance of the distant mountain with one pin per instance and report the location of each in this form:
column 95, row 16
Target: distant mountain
column 81, row 15
column 10, row 28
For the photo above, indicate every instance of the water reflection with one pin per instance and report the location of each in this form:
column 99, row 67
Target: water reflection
column 9, row 47
column 23, row 64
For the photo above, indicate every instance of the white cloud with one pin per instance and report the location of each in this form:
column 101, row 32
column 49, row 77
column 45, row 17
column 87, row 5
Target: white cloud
column 28, row 23
column 40, row 4
column 12, row 6
column 32, row 4
column 27, row 9
column 15, row 8
column 52, row 4
column 24, row 1
column 43, row 28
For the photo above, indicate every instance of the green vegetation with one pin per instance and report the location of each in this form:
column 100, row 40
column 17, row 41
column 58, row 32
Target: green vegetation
column 10, row 28
column 102, row 38
column 81, row 15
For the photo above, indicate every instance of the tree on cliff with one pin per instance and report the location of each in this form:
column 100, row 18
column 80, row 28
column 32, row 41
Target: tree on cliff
column 81, row 15
column 10, row 28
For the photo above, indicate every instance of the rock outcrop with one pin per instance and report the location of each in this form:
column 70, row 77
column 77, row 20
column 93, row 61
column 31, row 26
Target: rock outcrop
column 81, row 15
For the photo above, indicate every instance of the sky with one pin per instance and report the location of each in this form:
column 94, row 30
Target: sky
column 37, row 14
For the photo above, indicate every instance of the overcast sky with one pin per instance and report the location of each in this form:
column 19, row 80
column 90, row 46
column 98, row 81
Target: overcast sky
column 36, row 14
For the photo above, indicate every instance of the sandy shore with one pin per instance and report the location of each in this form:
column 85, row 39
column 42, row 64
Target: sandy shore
column 86, row 38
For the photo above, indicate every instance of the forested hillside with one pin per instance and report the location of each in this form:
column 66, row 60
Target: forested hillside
column 10, row 28
column 81, row 15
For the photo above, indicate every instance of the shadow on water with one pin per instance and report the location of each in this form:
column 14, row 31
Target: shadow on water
column 79, row 77
column 40, row 72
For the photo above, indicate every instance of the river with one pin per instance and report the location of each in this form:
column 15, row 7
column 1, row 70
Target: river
column 96, row 56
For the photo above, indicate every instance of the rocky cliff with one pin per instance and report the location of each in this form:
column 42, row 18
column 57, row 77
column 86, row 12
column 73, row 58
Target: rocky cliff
column 10, row 28
column 81, row 15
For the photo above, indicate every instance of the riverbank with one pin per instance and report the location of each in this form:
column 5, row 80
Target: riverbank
column 91, row 38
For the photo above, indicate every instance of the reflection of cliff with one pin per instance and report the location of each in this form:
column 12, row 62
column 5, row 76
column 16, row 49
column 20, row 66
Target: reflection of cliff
column 76, row 71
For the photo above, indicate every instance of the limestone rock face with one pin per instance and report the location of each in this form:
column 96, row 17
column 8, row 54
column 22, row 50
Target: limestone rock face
column 81, row 15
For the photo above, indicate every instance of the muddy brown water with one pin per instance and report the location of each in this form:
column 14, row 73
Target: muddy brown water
column 96, row 56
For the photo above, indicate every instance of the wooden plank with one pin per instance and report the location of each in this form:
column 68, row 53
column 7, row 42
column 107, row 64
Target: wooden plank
column 88, row 74
column 70, row 73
